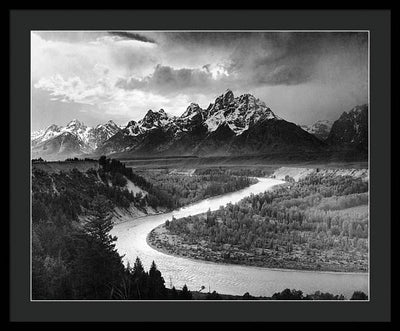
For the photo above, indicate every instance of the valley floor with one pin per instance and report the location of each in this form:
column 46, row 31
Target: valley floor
column 162, row 240
column 333, row 237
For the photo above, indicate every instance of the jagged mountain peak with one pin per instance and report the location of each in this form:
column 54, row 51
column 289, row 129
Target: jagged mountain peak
column 131, row 123
column 239, row 113
column 356, row 111
column 193, row 105
column 351, row 129
column 108, row 124
column 223, row 101
column 155, row 115
column 149, row 113
column 228, row 95
column 191, row 109
column 154, row 118
column 76, row 124
column 111, row 122
column 251, row 100
column 53, row 127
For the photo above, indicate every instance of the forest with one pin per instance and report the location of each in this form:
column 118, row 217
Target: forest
column 79, row 261
column 202, row 184
column 236, row 171
column 75, row 259
column 73, row 255
column 317, row 223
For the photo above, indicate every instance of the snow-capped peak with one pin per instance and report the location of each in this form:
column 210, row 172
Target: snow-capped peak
column 90, row 137
column 152, row 119
column 228, row 96
column 131, row 123
column 222, row 102
column 76, row 124
column 162, row 113
column 110, row 125
column 111, row 122
column 191, row 110
column 132, row 128
column 238, row 113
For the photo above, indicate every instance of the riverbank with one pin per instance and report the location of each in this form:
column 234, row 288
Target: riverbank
column 163, row 241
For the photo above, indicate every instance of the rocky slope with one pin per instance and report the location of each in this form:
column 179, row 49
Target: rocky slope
column 351, row 130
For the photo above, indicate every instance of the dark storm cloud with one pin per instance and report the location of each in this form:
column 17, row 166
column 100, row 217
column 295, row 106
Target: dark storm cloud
column 294, row 58
column 133, row 36
column 257, row 59
column 167, row 79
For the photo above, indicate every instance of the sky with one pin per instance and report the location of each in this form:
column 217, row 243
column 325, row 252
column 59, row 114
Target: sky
column 95, row 76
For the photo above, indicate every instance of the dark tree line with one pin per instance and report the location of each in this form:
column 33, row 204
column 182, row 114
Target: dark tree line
column 185, row 189
column 246, row 172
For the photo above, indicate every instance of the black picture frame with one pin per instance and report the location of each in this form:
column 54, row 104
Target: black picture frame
column 378, row 22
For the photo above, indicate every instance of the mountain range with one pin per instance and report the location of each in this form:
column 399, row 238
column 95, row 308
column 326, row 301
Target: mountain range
column 74, row 139
column 227, row 127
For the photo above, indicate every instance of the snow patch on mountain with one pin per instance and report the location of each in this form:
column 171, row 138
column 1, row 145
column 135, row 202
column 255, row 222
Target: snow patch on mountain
column 238, row 113
column 89, row 137
column 152, row 120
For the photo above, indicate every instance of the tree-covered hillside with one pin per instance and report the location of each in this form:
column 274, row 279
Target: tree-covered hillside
column 73, row 256
column 318, row 223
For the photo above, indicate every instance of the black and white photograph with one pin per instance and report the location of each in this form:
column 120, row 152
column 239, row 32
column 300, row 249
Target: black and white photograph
column 200, row 165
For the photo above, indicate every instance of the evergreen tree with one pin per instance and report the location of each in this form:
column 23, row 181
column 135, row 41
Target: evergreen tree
column 98, row 266
column 288, row 294
column 138, row 269
column 156, row 283
column 359, row 295
column 213, row 296
column 174, row 294
column 247, row 296
column 139, row 280
column 100, row 222
column 185, row 293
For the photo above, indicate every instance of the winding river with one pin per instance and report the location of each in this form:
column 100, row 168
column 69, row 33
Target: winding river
column 224, row 278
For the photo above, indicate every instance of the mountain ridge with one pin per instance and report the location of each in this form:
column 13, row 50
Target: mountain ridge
column 228, row 126
column 74, row 139
column 212, row 131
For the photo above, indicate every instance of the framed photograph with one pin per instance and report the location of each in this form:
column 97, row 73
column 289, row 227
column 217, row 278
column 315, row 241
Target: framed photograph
column 200, row 165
